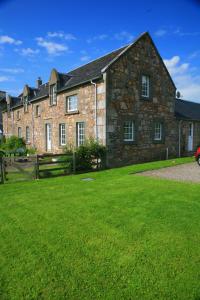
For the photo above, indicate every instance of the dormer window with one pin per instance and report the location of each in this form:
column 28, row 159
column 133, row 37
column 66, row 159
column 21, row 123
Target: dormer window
column 145, row 89
column 53, row 94
column 25, row 103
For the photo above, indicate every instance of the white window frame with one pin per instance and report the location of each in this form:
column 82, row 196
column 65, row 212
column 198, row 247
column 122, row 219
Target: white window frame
column 37, row 110
column 72, row 103
column 62, row 134
column 53, row 94
column 158, row 131
column 28, row 135
column 145, row 89
column 80, row 131
column 19, row 132
column 25, row 103
column 129, row 131
column 18, row 115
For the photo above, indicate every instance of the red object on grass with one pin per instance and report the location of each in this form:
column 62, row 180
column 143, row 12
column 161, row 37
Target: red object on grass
column 197, row 155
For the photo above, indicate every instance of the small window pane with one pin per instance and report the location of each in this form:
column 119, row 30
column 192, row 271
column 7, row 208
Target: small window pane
column 27, row 134
column 62, row 130
column 145, row 86
column 37, row 110
column 19, row 132
column 158, row 131
column 53, row 95
column 72, row 103
column 129, row 131
column 80, row 133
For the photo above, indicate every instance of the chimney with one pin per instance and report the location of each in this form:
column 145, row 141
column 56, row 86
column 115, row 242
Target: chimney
column 2, row 94
column 38, row 82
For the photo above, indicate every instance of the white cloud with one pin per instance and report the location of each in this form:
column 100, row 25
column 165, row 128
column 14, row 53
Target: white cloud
column 85, row 58
column 187, row 82
column 5, row 39
column 179, row 32
column 29, row 51
column 62, row 35
column 4, row 78
column 160, row 32
column 51, row 47
column 124, row 36
column 175, row 67
column 12, row 70
column 100, row 37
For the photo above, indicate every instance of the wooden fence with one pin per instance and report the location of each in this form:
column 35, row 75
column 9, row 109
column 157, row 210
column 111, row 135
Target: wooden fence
column 13, row 169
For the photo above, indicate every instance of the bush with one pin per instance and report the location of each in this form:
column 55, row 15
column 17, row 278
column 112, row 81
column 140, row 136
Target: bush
column 13, row 144
column 86, row 155
column 31, row 151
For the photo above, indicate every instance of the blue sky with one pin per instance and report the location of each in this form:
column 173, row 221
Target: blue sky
column 36, row 36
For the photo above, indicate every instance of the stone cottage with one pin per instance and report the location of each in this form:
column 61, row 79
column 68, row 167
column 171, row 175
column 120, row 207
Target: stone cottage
column 126, row 100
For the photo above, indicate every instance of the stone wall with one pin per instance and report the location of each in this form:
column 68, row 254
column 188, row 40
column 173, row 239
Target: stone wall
column 124, row 102
column 56, row 115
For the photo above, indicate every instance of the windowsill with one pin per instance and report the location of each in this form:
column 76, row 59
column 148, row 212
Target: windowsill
column 50, row 105
column 26, row 112
column 130, row 142
column 62, row 146
column 146, row 98
column 75, row 112
column 28, row 143
column 158, row 141
column 38, row 116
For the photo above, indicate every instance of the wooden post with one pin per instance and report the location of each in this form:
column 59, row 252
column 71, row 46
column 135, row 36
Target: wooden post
column 1, row 170
column 37, row 168
column 74, row 162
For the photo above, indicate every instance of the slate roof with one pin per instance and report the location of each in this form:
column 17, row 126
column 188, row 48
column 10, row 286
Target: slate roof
column 187, row 110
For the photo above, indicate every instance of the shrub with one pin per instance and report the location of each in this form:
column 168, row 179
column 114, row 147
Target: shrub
column 86, row 155
column 14, row 144
column 31, row 151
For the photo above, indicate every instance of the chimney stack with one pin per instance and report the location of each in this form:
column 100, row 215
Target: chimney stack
column 2, row 94
column 38, row 82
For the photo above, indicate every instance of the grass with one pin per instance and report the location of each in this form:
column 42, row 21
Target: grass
column 119, row 236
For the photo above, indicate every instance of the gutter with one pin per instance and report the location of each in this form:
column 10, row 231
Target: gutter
column 95, row 108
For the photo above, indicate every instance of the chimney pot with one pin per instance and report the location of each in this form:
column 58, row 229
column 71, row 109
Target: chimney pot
column 38, row 82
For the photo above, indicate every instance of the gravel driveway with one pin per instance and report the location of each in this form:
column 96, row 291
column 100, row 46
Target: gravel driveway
column 186, row 172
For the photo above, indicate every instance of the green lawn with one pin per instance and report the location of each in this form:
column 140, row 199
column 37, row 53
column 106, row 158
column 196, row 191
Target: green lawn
column 119, row 236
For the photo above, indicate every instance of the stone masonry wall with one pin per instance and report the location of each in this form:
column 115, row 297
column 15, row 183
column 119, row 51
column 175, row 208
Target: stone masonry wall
column 57, row 114
column 124, row 102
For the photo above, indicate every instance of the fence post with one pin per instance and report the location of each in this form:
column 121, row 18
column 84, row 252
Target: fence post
column 37, row 168
column 1, row 170
column 74, row 162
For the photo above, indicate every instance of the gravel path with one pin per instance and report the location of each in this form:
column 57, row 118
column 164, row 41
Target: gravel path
column 186, row 172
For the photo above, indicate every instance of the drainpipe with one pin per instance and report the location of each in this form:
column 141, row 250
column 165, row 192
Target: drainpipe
column 95, row 109
column 12, row 118
column 179, row 138
column 33, row 127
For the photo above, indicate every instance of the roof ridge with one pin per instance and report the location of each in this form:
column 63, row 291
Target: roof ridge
column 188, row 101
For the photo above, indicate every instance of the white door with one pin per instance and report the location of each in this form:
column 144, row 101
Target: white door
column 190, row 136
column 48, row 137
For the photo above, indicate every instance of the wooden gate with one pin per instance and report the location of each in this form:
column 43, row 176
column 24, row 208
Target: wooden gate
column 18, row 168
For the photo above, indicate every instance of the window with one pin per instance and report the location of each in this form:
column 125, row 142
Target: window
column 19, row 132
column 37, row 110
column 28, row 135
column 80, row 131
column 53, row 95
column 129, row 131
column 72, row 103
column 158, row 128
column 18, row 115
column 62, row 134
column 145, row 86
column 25, row 103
